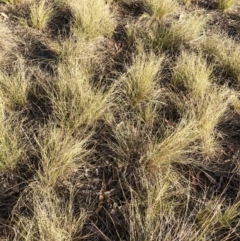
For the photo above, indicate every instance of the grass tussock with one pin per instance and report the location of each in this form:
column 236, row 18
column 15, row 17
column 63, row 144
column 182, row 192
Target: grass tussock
column 225, row 52
column 13, row 144
column 91, row 19
column 152, row 35
column 75, row 102
column 119, row 120
column 184, row 30
column 14, row 88
column 157, row 221
column 193, row 73
column 208, row 113
column 60, row 155
column 131, row 143
column 226, row 4
column 174, row 146
column 158, row 10
column 139, row 84
column 41, row 14
column 52, row 217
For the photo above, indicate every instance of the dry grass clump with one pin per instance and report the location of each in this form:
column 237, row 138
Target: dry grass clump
column 226, row 4
column 41, row 14
column 199, row 122
column 208, row 113
column 140, row 83
column 92, row 18
column 60, row 154
column 193, row 73
column 75, row 102
column 14, row 88
column 152, row 35
column 131, row 143
column 174, row 146
column 51, row 217
column 73, row 52
column 213, row 215
column 13, row 147
column 147, row 113
column 157, row 217
column 225, row 52
column 184, row 30
column 159, row 9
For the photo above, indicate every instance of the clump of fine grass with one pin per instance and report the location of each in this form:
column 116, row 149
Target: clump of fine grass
column 184, row 30
column 60, row 154
column 213, row 215
column 73, row 52
column 52, row 217
column 13, row 147
column 159, row 9
column 75, row 102
column 157, row 215
column 153, row 36
column 173, row 146
column 147, row 114
column 14, row 88
column 208, row 113
column 199, row 122
column 92, row 18
column 139, row 84
column 131, row 143
column 193, row 73
column 41, row 14
column 225, row 52
column 230, row 214
column 74, row 87
column 226, row 4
